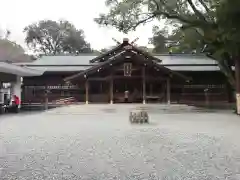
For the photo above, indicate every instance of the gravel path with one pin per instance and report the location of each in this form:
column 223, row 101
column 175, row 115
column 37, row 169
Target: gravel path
column 97, row 142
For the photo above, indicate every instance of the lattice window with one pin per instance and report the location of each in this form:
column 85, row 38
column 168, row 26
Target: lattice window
column 127, row 69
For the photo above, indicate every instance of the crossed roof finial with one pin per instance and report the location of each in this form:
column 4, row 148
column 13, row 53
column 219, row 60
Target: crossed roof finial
column 116, row 41
column 125, row 40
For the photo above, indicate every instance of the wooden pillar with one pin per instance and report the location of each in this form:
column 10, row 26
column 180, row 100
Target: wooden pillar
column 46, row 98
column 237, row 76
column 168, row 91
column 182, row 95
column 151, row 89
column 144, row 84
column 111, row 90
column 86, row 91
column 206, row 93
column 101, row 87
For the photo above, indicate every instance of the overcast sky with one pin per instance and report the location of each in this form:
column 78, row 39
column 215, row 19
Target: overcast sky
column 16, row 14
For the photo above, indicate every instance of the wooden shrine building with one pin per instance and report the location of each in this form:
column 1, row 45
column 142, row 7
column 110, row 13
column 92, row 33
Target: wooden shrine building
column 106, row 78
column 127, row 68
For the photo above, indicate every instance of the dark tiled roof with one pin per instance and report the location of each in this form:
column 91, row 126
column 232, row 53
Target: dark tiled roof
column 193, row 68
column 177, row 59
column 176, row 62
column 16, row 70
column 185, row 59
column 62, row 60
column 60, row 68
column 82, row 68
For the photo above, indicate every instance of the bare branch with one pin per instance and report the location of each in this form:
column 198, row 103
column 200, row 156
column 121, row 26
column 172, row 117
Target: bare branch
column 144, row 21
column 173, row 16
column 196, row 11
column 204, row 5
column 207, row 9
column 168, row 15
column 191, row 23
column 157, row 5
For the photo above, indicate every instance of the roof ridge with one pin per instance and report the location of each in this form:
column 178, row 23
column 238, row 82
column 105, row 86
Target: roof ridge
column 153, row 54
column 179, row 54
column 71, row 55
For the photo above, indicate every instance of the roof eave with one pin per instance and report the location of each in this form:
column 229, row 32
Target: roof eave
column 106, row 53
column 70, row 78
column 168, row 71
column 17, row 70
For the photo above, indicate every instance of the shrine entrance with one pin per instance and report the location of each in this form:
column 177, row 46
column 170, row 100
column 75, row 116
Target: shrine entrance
column 130, row 87
column 156, row 92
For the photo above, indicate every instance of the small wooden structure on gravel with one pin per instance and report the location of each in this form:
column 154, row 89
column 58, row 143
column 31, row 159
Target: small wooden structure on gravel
column 139, row 116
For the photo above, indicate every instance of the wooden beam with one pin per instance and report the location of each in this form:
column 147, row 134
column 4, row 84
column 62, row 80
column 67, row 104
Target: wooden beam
column 150, row 78
column 140, row 76
column 86, row 91
column 122, row 69
column 99, row 79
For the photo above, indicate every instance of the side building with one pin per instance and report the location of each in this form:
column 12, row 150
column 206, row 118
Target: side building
column 160, row 78
column 11, row 80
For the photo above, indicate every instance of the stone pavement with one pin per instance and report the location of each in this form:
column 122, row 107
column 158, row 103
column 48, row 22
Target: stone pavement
column 98, row 142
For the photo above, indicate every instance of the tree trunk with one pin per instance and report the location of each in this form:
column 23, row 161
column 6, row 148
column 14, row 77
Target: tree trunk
column 230, row 93
column 237, row 74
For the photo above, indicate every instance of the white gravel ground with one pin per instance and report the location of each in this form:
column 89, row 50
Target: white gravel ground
column 97, row 142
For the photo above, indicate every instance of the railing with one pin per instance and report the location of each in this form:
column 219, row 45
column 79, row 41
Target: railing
column 180, row 97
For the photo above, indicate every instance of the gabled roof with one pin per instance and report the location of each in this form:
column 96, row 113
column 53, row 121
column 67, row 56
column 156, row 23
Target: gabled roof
column 104, row 55
column 175, row 62
column 121, row 47
column 118, row 57
column 84, row 59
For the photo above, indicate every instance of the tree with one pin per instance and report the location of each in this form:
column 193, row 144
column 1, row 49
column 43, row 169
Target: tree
column 229, row 40
column 192, row 18
column 178, row 41
column 11, row 51
column 159, row 40
column 51, row 37
column 126, row 15
column 216, row 21
column 144, row 48
column 104, row 50
column 187, row 41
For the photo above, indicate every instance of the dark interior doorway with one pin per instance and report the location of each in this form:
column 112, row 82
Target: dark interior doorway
column 134, row 88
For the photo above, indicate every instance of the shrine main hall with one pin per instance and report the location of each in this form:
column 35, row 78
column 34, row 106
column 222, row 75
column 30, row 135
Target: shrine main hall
column 105, row 78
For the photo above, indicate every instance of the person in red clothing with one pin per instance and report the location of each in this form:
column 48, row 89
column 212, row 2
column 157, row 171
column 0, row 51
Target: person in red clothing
column 17, row 102
column 16, row 99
